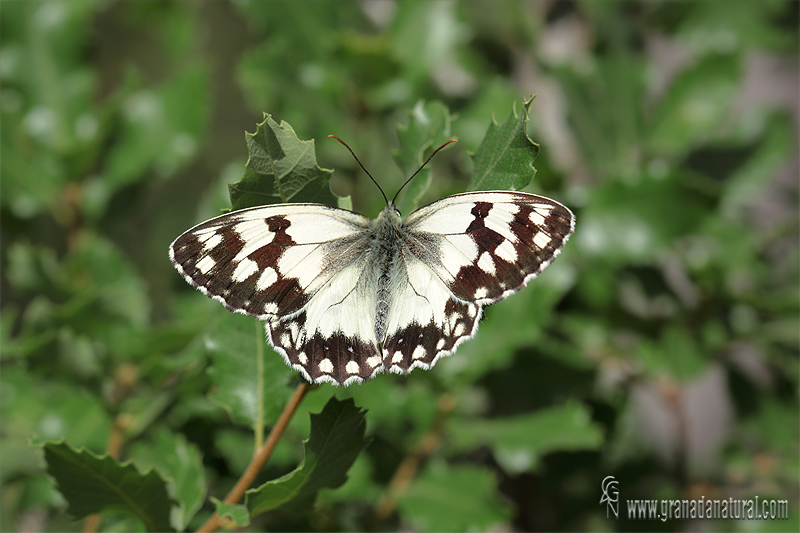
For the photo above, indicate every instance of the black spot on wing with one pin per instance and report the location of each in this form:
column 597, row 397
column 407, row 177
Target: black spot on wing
column 268, row 256
column 557, row 227
column 288, row 295
column 487, row 238
column 471, row 279
column 186, row 251
column 480, row 211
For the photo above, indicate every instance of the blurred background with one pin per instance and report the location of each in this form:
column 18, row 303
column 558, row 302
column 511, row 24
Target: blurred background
column 660, row 348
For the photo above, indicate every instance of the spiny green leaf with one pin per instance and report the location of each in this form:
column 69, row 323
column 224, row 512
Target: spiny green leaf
column 337, row 437
column 428, row 127
column 235, row 344
column 454, row 498
column 237, row 514
column 519, row 441
column 504, row 160
column 92, row 484
column 281, row 168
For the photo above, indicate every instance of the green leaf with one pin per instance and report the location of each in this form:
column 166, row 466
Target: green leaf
column 504, row 160
column 237, row 514
column 235, row 345
column 51, row 127
column 631, row 223
column 181, row 464
column 454, row 498
column 428, row 127
column 281, row 168
column 92, row 484
column 604, row 110
column 519, row 441
column 775, row 425
column 337, row 438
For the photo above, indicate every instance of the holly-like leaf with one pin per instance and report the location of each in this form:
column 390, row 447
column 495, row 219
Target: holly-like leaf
column 337, row 437
column 252, row 380
column 519, row 441
column 454, row 498
column 281, row 168
column 428, row 127
column 504, row 160
column 92, row 484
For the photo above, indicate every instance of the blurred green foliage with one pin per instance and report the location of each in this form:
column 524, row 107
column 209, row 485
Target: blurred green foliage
column 661, row 347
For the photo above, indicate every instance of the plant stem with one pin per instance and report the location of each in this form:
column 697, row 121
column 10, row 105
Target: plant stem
column 258, row 427
column 260, row 457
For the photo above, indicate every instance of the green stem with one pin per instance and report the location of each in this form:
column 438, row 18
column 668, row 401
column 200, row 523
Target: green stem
column 258, row 427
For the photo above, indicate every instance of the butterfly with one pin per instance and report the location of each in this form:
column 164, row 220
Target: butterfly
column 344, row 297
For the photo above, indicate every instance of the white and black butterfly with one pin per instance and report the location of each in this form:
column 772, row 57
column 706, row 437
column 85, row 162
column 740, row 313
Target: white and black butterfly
column 345, row 298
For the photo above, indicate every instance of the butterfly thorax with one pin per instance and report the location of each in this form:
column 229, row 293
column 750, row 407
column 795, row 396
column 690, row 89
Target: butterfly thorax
column 384, row 248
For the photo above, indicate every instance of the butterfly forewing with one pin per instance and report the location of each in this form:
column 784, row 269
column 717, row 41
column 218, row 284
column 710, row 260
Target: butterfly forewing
column 345, row 298
column 488, row 245
column 268, row 261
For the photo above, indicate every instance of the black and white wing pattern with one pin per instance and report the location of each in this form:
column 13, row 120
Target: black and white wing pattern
column 344, row 297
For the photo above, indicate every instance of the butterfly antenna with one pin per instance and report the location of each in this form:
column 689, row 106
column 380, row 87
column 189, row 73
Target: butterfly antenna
column 362, row 166
column 421, row 167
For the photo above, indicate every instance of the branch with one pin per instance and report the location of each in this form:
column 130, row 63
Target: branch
column 260, row 457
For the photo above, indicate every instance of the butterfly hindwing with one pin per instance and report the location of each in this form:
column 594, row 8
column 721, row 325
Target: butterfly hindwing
column 333, row 337
column 425, row 321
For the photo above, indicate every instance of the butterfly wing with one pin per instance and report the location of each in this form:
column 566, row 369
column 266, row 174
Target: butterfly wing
column 462, row 253
column 273, row 263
